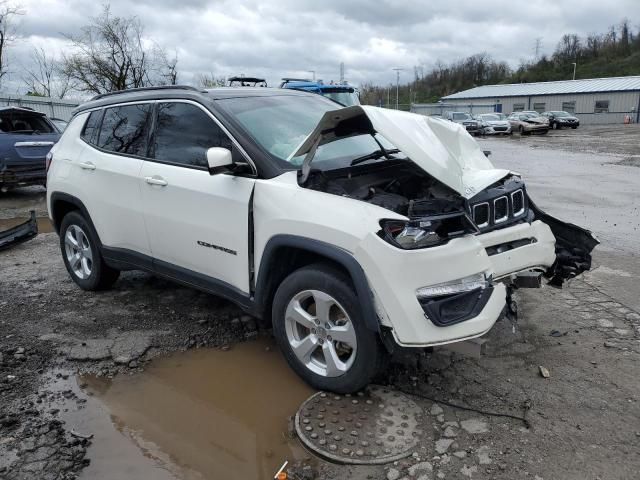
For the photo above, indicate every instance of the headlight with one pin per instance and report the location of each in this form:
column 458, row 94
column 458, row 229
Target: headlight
column 428, row 231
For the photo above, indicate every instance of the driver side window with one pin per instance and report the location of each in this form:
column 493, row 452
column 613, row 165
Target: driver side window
column 184, row 133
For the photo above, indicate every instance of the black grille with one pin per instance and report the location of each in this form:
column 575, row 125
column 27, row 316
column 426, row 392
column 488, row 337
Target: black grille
column 500, row 209
column 481, row 214
column 500, row 129
column 500, row 205
column 517, row 199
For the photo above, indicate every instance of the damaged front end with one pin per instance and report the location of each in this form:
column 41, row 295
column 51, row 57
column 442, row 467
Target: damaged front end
column 20, row 233
column 574, row 245
column 446, row 187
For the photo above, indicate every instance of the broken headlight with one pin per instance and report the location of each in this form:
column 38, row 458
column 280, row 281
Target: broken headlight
column 427, row 231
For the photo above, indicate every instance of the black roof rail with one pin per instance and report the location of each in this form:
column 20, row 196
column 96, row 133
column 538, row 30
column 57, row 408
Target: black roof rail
column 148, row 89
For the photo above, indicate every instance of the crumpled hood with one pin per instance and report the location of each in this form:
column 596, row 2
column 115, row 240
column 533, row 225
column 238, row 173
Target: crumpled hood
column 442, row 149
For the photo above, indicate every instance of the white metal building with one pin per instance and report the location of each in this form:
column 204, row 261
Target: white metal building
column 593, row 100
column 52, row 107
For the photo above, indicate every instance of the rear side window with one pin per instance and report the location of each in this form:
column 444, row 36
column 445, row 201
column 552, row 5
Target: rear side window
column 91, row 128
column 184, row 133
column 125, row 129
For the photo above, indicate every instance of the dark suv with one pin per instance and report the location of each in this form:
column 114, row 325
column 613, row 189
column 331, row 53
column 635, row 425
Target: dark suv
column 26, row 137
column 472, row 126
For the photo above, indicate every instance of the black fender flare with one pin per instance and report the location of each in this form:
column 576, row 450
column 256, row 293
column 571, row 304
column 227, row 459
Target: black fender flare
column 331, row 252
column 65, row 197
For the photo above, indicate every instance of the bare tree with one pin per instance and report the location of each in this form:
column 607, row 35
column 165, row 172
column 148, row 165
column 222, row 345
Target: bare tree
column 46, row 76
column 8, row 12
column 111, row 54
column 209, row 80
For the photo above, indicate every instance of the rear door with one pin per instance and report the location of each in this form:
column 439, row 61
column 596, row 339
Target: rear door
column 197, row 223
column 107, row 173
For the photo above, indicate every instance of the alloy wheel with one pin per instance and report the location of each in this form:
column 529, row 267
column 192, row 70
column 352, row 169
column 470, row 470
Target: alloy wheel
column 78, row 252
column 320, row 333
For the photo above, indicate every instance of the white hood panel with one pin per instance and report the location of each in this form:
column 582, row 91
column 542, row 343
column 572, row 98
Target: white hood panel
column 442, row 149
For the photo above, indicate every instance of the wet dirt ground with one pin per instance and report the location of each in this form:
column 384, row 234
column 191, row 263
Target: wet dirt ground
column 172, row 383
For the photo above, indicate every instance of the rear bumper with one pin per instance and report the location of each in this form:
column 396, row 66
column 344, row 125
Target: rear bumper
column 20, row 233
column 23, row 174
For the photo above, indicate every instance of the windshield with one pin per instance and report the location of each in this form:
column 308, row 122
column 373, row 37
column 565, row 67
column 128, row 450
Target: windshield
column 490, row 117
column 345, row 98
column 560, row 114
column 280, row 124
column 461, row 116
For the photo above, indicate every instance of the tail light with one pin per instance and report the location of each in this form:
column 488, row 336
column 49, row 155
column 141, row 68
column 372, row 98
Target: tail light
column 47, row 160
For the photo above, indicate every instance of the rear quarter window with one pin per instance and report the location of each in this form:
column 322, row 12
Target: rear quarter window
column 92, row 127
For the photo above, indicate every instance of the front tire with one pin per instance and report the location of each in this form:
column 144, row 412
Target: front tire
column 81, row 254
column 318, row 324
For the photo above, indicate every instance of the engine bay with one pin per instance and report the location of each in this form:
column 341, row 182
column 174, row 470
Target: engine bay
column 399, row 186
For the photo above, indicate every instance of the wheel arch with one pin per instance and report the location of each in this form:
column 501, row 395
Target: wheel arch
column 284, row 254
column 63, row 203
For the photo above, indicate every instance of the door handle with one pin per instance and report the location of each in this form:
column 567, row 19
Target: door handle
column 87, row 165
column 155, row 180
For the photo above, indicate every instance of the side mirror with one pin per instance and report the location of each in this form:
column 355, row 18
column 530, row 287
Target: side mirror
column 219, row 160
column 487, row 153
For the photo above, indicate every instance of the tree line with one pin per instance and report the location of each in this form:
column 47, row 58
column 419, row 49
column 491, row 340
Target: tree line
column 110, row 53
column 613, row 53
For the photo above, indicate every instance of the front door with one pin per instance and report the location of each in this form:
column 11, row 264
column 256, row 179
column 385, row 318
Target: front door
column 197, row 223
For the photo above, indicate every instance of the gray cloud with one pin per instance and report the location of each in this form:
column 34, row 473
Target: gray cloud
column 275, row 38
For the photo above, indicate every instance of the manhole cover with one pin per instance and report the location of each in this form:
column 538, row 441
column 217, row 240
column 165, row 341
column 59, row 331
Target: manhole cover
column 376, row 426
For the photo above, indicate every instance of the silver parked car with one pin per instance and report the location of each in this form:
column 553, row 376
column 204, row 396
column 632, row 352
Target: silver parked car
column 494, row 124
column 526, row 123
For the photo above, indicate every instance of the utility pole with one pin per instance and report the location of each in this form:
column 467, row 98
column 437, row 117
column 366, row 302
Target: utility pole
column 389, row 96
column 397, row 70
column 538, row 47
column 341, row 73
column 574, row 69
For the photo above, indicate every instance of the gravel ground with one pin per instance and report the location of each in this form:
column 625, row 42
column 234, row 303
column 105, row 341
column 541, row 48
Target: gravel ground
column 580, row 423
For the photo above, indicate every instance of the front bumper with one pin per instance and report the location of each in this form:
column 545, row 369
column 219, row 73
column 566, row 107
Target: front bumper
column 496, row 130
column 535, row 128
column 394, row 275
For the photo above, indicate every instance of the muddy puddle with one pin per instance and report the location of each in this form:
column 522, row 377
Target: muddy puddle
column 203, row 414
column 44, row 224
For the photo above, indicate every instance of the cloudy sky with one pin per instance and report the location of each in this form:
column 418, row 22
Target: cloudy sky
column 276, row 38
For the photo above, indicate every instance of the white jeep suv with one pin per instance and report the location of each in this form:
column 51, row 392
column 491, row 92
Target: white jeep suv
column 350, row 230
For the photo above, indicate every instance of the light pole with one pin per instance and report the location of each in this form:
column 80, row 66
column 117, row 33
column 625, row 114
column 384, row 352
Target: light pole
column 397, row 70
column 574, row 69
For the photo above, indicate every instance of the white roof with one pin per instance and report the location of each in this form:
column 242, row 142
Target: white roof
column 589, row 85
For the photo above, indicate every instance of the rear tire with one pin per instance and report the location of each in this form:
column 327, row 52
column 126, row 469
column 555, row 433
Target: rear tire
column 313, row 307
column 81, row 254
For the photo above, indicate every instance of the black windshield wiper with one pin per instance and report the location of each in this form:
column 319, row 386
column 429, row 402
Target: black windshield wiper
column 374, row 155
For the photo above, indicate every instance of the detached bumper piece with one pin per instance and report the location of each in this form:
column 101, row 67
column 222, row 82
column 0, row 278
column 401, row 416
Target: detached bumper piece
column 457, row 308
column 20, row 233
column 573, row 248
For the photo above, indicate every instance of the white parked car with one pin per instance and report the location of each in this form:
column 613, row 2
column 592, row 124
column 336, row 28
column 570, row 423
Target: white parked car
column 494, row 124
column 351, row 231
